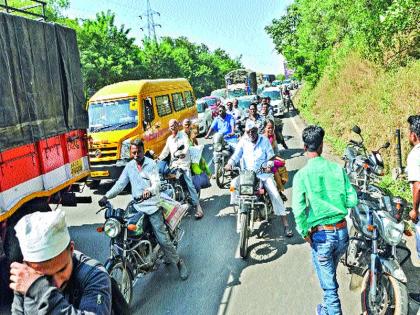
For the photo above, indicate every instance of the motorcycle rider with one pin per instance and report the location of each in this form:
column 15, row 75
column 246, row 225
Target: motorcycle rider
column 254, row 151
column 324, row 188
column 413, row 173
column 224, row 123
column 230, row 110
column 142, row 173
column 181, row 159
column 287, row 97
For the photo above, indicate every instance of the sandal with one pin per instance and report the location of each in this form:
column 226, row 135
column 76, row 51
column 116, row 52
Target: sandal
column 198, row 215
column 288, row 231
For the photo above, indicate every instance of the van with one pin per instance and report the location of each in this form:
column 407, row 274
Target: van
column 126, row 110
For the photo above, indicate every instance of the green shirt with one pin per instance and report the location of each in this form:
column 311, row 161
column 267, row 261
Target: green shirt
column 324, row 188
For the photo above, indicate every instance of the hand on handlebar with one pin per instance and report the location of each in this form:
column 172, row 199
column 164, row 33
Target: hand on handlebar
column 146, row 194
column 228, row 167
column 102, row 202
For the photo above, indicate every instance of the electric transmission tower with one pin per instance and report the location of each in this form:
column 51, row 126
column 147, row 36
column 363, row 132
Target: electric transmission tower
column 150, row 22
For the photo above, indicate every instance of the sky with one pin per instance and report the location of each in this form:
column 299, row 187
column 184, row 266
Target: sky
column 236, row 26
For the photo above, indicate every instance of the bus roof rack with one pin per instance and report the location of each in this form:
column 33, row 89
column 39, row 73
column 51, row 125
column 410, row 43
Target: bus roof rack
column 28, row 9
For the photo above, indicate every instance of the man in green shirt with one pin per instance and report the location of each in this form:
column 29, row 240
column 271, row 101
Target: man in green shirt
column 321, row 195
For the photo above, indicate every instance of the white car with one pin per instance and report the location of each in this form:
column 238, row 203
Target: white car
column 276, row 100
column 204, row 117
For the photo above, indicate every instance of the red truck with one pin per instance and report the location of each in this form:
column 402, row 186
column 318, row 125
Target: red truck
column 43, row 122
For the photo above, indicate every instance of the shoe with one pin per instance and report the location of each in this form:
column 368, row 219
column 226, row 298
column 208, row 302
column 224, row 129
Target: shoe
column 288, row 231
column 199, row 213
column 183, row 271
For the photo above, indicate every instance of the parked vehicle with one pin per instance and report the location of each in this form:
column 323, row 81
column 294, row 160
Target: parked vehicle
column 276, row 100
column 241, row 82
column 253, row 202
column 276, row 83
column 134, row 249
column 212, row 103
column 220, row 93
column 43, row 142
column 126, row 110
column 205, row 117
column 375, row 236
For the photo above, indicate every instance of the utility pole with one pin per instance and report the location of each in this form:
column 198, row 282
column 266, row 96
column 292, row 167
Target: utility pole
column 150, row 22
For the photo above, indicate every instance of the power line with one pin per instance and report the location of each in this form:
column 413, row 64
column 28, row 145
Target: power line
column 150, row 22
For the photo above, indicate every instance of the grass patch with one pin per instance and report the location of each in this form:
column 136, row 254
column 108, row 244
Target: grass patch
column 354, row 91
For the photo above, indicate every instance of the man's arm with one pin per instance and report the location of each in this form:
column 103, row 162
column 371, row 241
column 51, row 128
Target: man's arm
column 212, row 126
column 153, row 174
column 237, row 155
column 165, row 151
column 299, row 206
column 48, row 299
column 17, row 305
column 414, row 213
column 351, row 194
column 119, row 185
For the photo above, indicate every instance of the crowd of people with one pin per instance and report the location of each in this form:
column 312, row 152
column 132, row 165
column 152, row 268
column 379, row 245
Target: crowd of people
column 53, row 271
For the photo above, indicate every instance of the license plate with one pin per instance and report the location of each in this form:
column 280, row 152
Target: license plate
column 76, row 167
column 99, row 173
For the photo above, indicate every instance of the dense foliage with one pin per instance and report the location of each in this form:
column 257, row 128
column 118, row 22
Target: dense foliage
column 314, row 32
column 108, row 53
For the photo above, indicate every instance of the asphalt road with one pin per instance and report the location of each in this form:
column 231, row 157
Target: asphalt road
column 278, row 277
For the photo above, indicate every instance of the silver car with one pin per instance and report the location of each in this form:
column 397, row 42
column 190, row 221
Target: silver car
column 204, row 117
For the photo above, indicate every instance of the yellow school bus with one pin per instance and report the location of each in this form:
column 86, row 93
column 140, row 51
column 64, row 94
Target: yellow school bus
column 130, row 109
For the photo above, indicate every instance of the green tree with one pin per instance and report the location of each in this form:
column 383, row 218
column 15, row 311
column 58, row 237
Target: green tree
column 107, row 54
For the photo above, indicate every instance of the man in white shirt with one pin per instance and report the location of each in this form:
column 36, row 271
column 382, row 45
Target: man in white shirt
column 254, row 151
column 236, row 114
column 181, row 159
column 413, row 172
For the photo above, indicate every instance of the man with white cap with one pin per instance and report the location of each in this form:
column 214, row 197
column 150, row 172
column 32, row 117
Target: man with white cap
column 254, row 151
column 54, row 278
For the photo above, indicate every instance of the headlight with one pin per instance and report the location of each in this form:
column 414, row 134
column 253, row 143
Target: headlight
column 125, row 149
column 246, row 190
column 112, row 227
column 391, row 231
column 218, row 147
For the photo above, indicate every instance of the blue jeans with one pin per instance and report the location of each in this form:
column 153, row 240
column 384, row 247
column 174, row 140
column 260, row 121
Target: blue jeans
column 327, row 248
column 191, row 189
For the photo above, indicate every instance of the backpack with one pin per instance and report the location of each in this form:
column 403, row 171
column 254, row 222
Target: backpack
column 118, row 302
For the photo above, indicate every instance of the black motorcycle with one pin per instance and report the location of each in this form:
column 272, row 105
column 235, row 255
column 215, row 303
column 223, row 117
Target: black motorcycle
column 375, row 235
column 134, row 250
column 253, row 202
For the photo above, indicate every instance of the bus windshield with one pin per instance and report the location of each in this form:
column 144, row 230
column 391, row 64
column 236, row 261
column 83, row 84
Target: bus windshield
column 112, row 115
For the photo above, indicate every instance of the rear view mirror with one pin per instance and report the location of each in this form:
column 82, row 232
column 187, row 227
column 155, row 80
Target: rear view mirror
column 181, row 147
column 148, row 110
column 386, row 145
column 356, row 129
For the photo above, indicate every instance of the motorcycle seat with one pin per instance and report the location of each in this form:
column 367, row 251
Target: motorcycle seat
column 170, row 176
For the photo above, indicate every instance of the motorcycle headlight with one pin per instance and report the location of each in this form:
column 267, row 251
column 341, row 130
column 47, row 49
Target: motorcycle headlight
column 125, row 149
column 112, row 227
column 246, row 190
column 390, row 230
column 218, row 147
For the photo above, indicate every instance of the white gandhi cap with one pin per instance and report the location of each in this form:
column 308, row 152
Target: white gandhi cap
column 250, row 124
column 42, row 235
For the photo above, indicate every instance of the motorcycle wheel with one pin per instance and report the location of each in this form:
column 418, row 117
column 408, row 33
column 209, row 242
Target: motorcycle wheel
column 243, row 237
column 123, row 276
column 392, row 296
column 220, row 176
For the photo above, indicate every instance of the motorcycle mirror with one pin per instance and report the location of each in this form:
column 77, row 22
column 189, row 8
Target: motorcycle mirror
column 356, row 129
column 386, row 145
column 181, row 147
